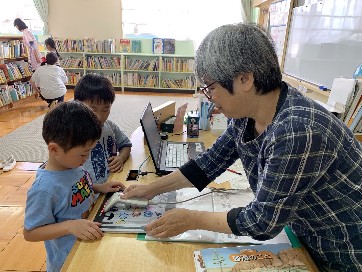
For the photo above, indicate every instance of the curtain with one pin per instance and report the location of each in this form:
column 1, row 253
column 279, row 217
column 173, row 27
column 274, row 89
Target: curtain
column 42, row 8
column 246, row 12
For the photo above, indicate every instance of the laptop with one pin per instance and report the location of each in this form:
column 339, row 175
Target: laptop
column 167, row 156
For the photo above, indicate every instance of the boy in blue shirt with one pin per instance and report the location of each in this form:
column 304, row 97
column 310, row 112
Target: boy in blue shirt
column 114, row 147
column 62, row 194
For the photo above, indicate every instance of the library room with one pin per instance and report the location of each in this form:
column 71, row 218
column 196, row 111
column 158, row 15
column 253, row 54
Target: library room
column 207, row 135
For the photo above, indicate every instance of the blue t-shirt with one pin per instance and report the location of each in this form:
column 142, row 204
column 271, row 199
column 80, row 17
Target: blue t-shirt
column 54, row 197
column 111, row 141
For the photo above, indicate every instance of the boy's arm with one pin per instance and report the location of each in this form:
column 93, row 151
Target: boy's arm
column 115, row 163
column 124, row 153
column 82, row 229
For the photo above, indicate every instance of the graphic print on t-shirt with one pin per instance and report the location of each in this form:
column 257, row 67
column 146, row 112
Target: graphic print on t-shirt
column 82, row 190
column 99, row 156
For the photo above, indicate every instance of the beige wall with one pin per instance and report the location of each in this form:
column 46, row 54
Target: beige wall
column 100, row 19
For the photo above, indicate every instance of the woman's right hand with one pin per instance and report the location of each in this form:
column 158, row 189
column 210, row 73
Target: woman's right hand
column 143, row 191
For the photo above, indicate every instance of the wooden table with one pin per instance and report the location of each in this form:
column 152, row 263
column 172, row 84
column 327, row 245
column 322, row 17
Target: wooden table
column 123, row 252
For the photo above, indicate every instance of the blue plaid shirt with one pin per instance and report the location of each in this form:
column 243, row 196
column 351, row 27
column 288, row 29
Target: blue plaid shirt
column 305, row 170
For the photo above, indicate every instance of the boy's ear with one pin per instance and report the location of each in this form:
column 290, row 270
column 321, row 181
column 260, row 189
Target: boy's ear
column 53, row 148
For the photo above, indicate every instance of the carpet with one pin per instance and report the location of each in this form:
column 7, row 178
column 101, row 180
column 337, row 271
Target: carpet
column 26, row 143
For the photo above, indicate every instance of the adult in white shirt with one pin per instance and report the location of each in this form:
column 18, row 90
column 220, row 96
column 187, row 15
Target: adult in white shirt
column 49, row 80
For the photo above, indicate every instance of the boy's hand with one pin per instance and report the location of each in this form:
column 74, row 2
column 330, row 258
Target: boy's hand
column 115, row 164
column 85, row 229
column 110, row 186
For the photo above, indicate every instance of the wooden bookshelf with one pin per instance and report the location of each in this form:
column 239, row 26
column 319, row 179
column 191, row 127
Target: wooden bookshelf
column 21, row 57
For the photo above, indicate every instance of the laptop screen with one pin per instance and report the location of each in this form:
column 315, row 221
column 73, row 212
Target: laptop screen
column 152, row 134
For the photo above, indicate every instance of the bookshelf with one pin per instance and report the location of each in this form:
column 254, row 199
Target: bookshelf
column 143, row 70
column 15, row 72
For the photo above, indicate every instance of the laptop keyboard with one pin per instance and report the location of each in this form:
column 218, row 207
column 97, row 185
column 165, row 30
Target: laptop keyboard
column 176, row 155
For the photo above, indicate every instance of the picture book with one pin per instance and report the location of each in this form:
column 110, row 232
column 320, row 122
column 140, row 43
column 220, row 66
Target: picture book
column 125, row 219
column 169, row 46
column 268, row 257
column 157, row 46
column 136, row 46
column 125, row 45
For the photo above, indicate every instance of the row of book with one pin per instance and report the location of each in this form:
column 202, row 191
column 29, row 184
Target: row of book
column 101, row 62
column 178, row 65
column 73, row 78
column 114, row 78
column 141, row 64
column 71, row 62
column 14, row 71
column 184, row 83
column 163, row 46
column 19, row 90
column 99, row 46
column 159, row 46
column 130, row 63
column 138, row 80
column 86, row 45
column 128, row 46
column 12, row 49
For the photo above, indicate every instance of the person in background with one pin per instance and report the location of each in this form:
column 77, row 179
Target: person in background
column 51, row 47
column 30, row 43
column 49, row 81
column 303, row 164
column 114, row 147
column 62, row 195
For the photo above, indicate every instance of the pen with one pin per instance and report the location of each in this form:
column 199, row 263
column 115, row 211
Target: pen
column 233, row 171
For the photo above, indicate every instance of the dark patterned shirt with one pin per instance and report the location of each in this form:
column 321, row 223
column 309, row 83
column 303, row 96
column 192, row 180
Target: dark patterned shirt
column 305, row 170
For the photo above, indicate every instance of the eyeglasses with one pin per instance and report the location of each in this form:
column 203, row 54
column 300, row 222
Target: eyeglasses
column 206, row 91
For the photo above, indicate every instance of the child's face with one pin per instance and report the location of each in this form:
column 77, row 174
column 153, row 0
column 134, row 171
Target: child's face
column 75, row 156
column 49, row 48
column 101, row 109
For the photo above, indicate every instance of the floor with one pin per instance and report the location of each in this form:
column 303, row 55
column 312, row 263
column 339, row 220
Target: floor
column 16, row 254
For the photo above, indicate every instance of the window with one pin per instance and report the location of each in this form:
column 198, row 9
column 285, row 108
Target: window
column 24, row 9
column 181, row 20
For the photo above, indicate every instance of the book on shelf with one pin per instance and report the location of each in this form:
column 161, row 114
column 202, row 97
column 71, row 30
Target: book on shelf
column 125, row 45
column 136, row 46
column 169, row 46
column 266, row 257
column 356, row 119
column 157, row 45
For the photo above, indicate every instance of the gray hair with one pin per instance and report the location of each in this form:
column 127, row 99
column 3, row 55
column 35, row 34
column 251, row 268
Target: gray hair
column 230, row 50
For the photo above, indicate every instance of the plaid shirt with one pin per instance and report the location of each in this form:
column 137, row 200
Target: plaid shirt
column 305, row 170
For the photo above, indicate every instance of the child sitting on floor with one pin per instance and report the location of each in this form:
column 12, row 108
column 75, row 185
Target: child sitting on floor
column 114, row 147
column 62, row 194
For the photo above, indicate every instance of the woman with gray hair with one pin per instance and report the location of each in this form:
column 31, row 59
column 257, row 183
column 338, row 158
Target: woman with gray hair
column 304, row 165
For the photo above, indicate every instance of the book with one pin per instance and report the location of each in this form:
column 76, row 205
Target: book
column 267, row 257
column 125, row 45
column 136, row 46
column 356, row 118
column 157, row 46
column 169, row 46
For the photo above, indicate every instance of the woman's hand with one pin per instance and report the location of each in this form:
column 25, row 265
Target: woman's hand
column 172, row 223
column 143, row 191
